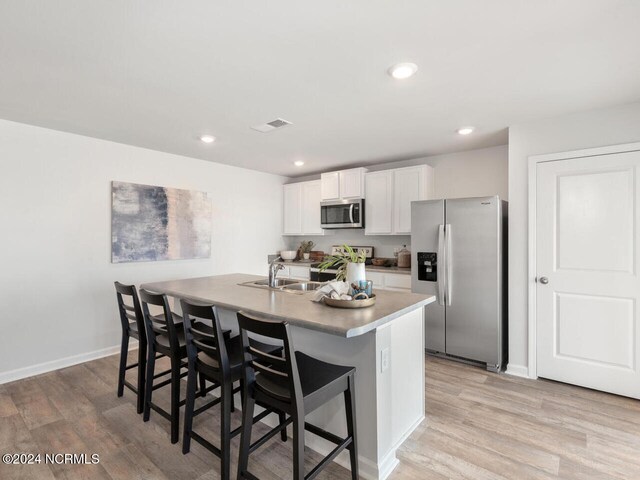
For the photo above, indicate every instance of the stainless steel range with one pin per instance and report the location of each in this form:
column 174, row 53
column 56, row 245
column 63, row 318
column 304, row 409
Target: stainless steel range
column 330, row 274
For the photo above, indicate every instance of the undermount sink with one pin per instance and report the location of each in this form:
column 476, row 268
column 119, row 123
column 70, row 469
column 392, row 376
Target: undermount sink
column 264, row 283
column 285, row 285
column 303, row 286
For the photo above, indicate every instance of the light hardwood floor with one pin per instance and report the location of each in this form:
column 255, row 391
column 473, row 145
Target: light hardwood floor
column 479, row 426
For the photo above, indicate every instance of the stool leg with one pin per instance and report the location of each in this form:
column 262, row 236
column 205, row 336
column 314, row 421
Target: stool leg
column 188, row 410
column 225, row 430
column 124, row 350
column 142, row 365
column 175, row 399
column 245, row 437
column 283, row 433
column 350, row 408
column 203, row 385
column 148, row 387
column 298, row 445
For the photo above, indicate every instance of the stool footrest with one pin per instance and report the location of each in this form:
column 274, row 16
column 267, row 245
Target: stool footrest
column 131, row 387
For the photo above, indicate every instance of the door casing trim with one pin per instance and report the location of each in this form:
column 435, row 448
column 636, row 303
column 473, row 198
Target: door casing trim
column 533, row 162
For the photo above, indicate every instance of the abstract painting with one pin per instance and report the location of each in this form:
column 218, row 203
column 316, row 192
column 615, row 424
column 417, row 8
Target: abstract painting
column 150, row 223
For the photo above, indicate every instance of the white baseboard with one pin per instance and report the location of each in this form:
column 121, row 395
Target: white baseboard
column 40, row 368
column 517, row 370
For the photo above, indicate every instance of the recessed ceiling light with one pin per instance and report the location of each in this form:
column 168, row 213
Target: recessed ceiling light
column 401, row 71
column 298, row 163
column 208, row 138
column 466, row 130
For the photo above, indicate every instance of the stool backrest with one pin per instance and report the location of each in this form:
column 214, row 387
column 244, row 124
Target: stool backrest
column 129, row 308
column 159, row 324
column 201, row 339
column 280, row 371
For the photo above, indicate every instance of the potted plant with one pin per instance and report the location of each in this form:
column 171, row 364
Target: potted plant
column 305, row 247
column 350, row 265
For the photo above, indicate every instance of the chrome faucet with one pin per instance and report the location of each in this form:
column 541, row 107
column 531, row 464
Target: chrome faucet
column 273, row 271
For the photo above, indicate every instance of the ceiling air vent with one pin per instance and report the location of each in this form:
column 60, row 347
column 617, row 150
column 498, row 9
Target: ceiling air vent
column 270, row 126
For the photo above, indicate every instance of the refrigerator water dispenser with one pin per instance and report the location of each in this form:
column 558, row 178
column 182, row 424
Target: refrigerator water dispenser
column 428, row 266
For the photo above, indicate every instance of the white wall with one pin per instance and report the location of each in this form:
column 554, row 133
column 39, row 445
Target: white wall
column 610, row 126
column 56, row 289
column 473, row 173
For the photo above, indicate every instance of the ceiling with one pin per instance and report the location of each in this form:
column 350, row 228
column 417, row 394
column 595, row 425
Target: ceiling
column 160, row 73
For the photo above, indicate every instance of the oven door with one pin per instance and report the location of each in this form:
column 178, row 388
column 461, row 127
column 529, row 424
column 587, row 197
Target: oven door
column 317, row 276
column 342, row 214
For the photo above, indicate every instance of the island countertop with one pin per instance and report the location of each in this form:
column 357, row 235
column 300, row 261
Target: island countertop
column 226, row 291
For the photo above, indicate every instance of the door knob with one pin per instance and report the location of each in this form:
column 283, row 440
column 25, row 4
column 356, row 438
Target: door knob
column 543, row 280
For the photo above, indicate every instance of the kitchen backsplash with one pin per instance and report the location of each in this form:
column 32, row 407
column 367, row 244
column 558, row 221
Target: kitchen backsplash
column 383, row 244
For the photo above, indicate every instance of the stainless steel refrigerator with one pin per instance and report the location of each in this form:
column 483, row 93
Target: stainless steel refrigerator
column 459, row 254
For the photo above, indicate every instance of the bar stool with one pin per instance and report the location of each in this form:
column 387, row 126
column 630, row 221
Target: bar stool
column 166, row 337
column 296, row 384
column 132, row 326
column 217, row 358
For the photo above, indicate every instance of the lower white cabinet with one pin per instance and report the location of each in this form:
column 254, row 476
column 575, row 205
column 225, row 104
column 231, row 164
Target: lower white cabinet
column 301, row 209
column 389, row 194
column 298, row 272
column 390, row 281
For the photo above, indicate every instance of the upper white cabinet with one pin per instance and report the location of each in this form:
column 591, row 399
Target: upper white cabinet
column 292, row 199
column 311, row 208
column 343, row 184
column 302, row 209
column 389, row 194
column 378, row 208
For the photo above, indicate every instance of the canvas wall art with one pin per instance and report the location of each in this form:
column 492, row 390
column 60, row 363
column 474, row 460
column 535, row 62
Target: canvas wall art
column 150, row 223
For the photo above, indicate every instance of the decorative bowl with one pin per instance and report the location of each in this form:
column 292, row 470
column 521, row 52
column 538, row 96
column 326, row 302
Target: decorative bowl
column 288, row 254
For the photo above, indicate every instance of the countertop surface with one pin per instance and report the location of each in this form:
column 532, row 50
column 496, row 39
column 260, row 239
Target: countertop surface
column 369, row 268
column 225, row 291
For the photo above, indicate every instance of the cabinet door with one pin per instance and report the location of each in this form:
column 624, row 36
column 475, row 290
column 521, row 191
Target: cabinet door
column 409, row 186
column 292, row 201
column 299, row 273
column 330, row 185
column 378, row 208
column 397, row 281
column 351, row 183
column 311, row 208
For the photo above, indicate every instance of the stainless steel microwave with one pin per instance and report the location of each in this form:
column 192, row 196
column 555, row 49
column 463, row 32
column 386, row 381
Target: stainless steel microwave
column 342, row 213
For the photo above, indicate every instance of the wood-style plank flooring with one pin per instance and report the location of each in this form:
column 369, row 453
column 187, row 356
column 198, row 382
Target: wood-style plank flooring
column 479, row 426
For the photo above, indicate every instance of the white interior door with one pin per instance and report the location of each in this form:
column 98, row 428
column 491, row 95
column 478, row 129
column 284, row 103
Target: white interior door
column 587, row 290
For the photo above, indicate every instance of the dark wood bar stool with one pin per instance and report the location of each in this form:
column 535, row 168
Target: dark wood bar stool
column 132, row 326
column 167, row 338
column 216, row 358
column 296, row 384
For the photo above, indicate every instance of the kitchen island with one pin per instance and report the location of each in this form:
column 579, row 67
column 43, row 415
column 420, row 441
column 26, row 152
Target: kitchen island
column 384, row 342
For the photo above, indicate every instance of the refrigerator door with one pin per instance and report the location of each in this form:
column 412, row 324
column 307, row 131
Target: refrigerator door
column 474, row 296
column 427, row 275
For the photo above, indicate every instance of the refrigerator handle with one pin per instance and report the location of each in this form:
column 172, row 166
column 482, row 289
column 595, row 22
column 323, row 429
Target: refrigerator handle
column 442, row 261
column 449, row 260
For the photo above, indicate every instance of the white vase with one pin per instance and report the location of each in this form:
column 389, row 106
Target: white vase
column 355, row 272
column 306, row 256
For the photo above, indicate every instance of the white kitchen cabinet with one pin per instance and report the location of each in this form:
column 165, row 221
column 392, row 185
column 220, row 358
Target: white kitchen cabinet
column 378, row 209
column 410, row 184
column 301, row 209
column 389, row 194
column 343, row 184
column 330, row 186
column 292, row 200
column 311, row 208
column 297, row 272
column 400, row 282
column 352, row 183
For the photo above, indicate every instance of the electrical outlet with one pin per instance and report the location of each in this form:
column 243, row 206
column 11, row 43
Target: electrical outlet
column 384, row 360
